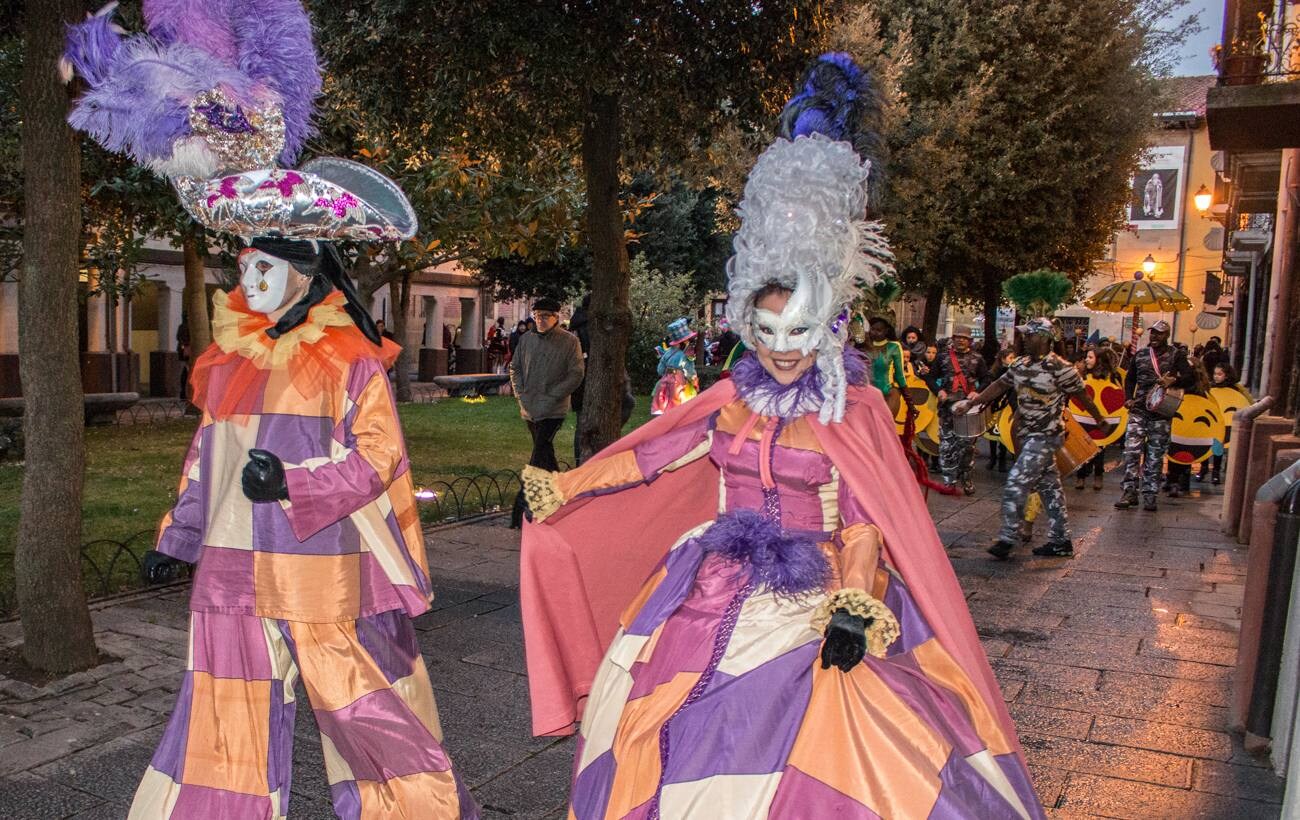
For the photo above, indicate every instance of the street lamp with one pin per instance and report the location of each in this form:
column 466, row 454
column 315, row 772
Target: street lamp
column 1148, row 264
column 1203, row 199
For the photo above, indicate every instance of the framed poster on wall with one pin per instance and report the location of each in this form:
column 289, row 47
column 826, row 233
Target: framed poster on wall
column 1156, row 196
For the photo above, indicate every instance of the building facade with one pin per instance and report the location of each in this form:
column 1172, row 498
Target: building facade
column 130, row 343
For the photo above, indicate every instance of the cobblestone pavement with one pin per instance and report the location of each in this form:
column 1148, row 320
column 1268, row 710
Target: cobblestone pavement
column 1116, row 666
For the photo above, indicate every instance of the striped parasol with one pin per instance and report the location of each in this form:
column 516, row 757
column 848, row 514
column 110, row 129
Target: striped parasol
column 1137, row 295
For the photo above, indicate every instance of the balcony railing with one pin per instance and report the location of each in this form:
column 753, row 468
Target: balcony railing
column 1268, row 51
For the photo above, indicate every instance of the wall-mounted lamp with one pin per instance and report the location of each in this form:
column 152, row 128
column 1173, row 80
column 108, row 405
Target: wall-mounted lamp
column 1203, row 199
column 1148, row 264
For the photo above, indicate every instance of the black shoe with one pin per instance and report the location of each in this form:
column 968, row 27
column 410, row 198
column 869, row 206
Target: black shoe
column 1149, row 503
column 1127, row 501
column 968, row 487
column 1214, row 477
column 1055, row 549
column 1079, row 482
column 1001, row 550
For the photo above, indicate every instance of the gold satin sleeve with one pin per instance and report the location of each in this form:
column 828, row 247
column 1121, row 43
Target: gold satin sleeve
column 859, row 556
column 618, row 470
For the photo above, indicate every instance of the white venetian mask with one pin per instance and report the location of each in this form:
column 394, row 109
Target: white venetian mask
column 264, row 279
column 794, row 328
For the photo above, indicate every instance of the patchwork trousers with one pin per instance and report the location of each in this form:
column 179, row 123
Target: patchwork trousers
column 1035, row 472
column 226, row 752
column 1146, row 441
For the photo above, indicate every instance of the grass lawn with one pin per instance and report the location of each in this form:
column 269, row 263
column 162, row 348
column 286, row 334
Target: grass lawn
column 132, row 472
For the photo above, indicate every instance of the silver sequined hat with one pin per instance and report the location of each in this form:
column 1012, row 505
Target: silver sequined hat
column 226, row 176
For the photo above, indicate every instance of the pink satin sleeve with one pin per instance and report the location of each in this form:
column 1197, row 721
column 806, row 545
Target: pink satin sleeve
column 180, row 534
column 321, row 494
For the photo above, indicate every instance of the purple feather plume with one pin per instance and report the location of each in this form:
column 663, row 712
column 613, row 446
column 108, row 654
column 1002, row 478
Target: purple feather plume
column 92, row 46
column 269, row 41
column 787, row 564
column 139, row 88
column 140, row 102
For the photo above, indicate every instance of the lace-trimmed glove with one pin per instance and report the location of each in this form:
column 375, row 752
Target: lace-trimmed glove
column 855, row 624
column 846, row 640
column 263, row 478
column 542, row 497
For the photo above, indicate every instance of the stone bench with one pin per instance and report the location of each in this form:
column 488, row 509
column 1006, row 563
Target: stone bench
column 101, row 408
column 472, row 384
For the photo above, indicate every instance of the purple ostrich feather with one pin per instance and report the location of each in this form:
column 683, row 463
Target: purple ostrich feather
column 268, row 40
column 139, row 88
column 138, row 91
column 786, row 564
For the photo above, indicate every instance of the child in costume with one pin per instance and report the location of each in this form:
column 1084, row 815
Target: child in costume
column 295, row 500
column 801, row 646
column 678, row 381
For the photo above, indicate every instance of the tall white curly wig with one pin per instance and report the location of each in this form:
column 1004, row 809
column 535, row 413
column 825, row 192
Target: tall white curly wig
column 803, row 227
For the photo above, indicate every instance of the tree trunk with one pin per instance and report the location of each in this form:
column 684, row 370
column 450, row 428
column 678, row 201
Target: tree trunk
column 610, row 315
column 399, row 290
column 57, row 633
column 196, row 295
column 930, row 320
column 992, row 298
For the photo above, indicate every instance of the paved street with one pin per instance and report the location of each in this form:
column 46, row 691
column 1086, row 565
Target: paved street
column 1116, row 666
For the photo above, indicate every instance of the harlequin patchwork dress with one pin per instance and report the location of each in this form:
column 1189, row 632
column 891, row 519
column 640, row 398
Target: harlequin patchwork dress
column 710, row 700
column 321, row 586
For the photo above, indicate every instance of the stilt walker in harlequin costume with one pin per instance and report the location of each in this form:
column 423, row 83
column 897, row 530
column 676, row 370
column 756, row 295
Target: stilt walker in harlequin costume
column 295, row 499
column 792, row 642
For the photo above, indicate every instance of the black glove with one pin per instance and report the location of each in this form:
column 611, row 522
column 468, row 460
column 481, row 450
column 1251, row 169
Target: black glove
column 156, row 568
column 846, row 640
column 263, row 478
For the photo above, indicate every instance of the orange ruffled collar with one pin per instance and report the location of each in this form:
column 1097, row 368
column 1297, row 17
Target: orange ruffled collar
column 316, row 352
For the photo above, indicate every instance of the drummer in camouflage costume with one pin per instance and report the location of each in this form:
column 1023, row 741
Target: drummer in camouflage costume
column 962, row 372
column 1043, row 383
column 1146, row 440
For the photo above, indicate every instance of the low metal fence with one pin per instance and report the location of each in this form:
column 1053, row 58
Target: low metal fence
column 111, row 567
column 151, row 412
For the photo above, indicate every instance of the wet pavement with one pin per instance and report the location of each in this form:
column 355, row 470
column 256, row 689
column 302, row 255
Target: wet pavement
column 1116, row 666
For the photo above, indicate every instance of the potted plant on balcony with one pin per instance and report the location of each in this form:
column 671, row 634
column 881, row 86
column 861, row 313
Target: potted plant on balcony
column 1243, row 60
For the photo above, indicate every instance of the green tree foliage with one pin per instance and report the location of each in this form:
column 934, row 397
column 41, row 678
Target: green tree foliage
column 656, row 298
column 624, row 81
column 1015, row 130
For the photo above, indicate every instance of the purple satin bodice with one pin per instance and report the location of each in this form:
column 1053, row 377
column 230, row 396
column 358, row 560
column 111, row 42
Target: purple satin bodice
column 800, row 476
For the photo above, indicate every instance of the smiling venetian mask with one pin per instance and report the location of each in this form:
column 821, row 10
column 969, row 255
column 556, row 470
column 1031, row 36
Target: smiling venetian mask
column 264, row 280
column 794, row 328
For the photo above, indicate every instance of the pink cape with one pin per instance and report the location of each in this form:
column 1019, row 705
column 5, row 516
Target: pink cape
column 582, row 566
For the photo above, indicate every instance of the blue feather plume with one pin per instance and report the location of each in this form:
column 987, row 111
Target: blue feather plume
column 841, row 101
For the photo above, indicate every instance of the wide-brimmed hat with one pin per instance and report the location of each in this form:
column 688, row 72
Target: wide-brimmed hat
column 679, row 331
column 326, row 198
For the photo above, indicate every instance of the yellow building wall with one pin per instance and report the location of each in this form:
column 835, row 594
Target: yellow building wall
column 1183, row 255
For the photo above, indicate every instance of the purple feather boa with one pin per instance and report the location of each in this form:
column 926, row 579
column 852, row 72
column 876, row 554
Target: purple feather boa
column 804, row 395
column 787, row 565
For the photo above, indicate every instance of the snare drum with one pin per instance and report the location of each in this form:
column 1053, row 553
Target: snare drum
column 1164, row 402
column 972, row 424
column 1077, row 447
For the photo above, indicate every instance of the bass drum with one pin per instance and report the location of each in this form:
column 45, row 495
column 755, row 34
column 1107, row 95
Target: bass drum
column 1077, row 447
